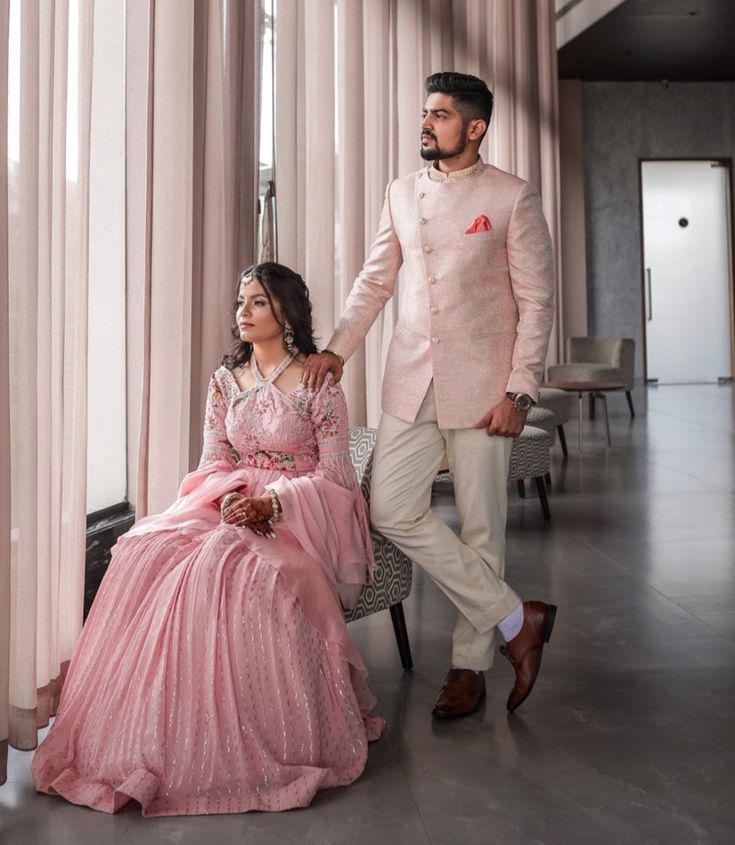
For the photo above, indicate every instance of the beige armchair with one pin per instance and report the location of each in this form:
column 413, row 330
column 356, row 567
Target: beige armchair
column 599, row 359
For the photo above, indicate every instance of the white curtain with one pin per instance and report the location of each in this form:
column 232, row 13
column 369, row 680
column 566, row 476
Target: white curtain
column 330, row 194
column 4, row 403
column 44, row 215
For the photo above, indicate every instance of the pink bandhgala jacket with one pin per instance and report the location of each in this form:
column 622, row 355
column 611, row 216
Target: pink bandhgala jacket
column 476, row 300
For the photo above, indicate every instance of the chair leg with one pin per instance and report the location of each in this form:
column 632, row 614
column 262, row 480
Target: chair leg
column 563, row 440
column 592, row 406
column 401, row 632
column 603, row 399
column 547, row 478
column 540, row 487
column 521, row 488
column 630, row 403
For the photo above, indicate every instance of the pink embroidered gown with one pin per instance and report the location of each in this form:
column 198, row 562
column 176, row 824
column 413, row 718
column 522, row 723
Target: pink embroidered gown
column 215, row 673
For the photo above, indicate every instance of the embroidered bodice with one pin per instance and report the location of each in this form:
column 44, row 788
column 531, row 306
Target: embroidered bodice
column 299, row 432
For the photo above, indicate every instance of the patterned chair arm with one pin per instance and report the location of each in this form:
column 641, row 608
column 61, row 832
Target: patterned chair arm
column 393, row 579
column 529, row 454
column 394, row 570
column 362, row 443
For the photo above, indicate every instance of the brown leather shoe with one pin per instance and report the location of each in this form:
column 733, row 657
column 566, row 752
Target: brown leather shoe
column 460, row 695
column 524, row 651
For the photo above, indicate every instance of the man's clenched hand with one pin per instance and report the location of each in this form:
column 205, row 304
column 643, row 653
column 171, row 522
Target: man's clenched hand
column 503, row 420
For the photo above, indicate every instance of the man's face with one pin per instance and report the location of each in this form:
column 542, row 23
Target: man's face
column 443, row 130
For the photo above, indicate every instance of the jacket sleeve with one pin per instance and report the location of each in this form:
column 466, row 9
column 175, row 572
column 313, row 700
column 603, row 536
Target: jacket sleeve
column 531, row 267
column 373, row 286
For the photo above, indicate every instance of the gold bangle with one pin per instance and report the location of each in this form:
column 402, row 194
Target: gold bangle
column 228, row 500
column 276, row 504
column 336, row 355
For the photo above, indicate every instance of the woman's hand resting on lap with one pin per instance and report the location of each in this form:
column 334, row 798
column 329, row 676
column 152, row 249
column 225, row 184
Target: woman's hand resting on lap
column 251, row 512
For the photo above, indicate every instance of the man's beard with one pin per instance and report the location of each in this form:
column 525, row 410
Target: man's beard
column 437, row 153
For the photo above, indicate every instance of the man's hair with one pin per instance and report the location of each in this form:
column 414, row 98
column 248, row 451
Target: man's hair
column 471, row 95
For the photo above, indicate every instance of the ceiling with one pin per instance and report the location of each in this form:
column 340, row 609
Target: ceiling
column 656, row 39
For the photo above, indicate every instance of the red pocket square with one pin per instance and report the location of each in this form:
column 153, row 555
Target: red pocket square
column 480, row 224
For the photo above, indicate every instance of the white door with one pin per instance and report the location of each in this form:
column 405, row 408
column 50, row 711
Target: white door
column 686, row 270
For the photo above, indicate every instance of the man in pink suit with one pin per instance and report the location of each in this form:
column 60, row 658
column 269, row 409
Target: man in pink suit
column 463, row 369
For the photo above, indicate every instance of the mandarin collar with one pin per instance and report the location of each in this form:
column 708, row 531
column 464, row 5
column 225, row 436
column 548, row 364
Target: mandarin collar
column 436, row 175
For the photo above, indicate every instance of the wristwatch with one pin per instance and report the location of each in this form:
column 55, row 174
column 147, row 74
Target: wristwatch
column 521, row 401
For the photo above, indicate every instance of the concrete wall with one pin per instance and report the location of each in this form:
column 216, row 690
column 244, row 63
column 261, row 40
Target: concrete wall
column 622, row 123
column 573, row 287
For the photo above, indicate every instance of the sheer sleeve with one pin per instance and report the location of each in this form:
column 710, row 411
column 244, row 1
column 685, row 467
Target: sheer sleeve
column 325, row 508
column 217, row 448
column 329, row 416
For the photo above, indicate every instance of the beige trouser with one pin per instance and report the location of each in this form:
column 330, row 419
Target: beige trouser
column 468, row 568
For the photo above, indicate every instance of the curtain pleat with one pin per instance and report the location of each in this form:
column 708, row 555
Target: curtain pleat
column 45, row 215
column 138, row 218
column 164, row 456
column 319, row 183
column 73, row 464
column 549, row 180
column 23, row 259
column 289, row 135
column 329, row 199
column 379, row 150
column 350, row 180
column 4, row 403
column 244, row 102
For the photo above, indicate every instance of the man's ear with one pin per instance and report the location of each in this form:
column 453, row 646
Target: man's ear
column 476, row 129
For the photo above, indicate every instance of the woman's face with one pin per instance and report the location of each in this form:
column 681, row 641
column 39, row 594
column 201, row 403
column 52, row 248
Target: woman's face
column 255, row 318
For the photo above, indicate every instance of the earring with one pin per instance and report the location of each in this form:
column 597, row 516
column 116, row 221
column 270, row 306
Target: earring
column 288, row 339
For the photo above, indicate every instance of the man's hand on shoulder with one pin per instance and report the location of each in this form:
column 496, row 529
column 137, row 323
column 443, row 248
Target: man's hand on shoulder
column 503, row 420
column 318, row 365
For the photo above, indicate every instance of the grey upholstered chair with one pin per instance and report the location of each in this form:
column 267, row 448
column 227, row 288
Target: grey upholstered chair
column 394, row 570
column 545, row 419
column 529, row 458
column 598, row 359
column 556, row 401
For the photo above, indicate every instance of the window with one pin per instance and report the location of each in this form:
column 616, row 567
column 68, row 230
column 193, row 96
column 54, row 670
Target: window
column 267, row 122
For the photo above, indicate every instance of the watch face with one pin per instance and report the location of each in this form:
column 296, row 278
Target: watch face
column 523, row 402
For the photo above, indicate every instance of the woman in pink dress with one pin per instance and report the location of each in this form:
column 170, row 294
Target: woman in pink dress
column 215, row 673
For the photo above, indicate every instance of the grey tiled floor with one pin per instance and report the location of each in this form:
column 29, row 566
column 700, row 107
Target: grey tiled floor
column 628, row 736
